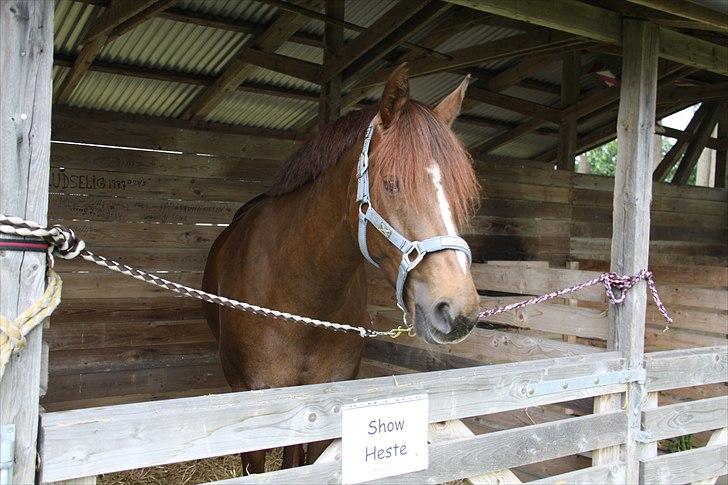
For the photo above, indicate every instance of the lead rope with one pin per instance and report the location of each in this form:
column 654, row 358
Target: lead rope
column 63, row 243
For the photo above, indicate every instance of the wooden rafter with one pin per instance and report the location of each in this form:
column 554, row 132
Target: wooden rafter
column 506, row 137
column 566, row 149
column 605, row 25
column 330, row 97
column 238, row 69
column 308, row 12
column 387, row 23
column 119, row 17
column 290, row 66
column 512, row 103
column 690, row 158
column 250, row 87
column 688, row 10
column 513, row 46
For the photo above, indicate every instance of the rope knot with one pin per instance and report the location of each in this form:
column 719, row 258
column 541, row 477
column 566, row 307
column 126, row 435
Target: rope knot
column 67, row 245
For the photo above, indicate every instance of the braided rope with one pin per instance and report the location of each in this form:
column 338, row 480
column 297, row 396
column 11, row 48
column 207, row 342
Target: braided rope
column 610, row 281
column 64, row 244
column 13, row 332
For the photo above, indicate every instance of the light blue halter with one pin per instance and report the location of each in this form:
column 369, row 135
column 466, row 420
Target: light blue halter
column 412, row 251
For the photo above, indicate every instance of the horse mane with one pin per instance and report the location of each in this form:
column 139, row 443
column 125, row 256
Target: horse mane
column 417, row 135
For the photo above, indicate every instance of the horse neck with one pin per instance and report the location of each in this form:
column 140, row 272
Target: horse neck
column 324, row 212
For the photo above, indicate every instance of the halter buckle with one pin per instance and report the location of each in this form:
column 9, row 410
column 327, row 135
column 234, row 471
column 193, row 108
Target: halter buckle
column 408, row 261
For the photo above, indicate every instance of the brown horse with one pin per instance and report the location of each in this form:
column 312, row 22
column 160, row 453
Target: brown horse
column 295, row 248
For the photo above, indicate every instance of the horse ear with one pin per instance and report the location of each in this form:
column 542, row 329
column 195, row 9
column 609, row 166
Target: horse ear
column 449, row 108
column 395, row 95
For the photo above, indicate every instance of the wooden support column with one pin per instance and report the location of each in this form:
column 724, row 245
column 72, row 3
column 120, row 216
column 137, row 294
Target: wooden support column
column 721, row 155
column 631, row 225
column 569, row 95
column 26, row 60
column 330, row 99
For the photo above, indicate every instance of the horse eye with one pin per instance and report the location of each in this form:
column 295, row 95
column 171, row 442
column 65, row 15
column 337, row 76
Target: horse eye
column 391, row 185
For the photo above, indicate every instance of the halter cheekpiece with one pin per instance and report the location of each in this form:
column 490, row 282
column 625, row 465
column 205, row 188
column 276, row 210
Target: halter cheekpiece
column 413, row 252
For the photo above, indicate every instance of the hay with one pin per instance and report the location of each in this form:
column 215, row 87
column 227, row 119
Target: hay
column 188, row 472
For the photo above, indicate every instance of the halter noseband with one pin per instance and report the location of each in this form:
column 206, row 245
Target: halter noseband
column 412, row 251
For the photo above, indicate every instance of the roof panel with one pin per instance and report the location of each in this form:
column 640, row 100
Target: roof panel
column 262, row 111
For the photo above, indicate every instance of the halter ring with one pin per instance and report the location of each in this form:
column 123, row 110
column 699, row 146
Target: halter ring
column 409, row 262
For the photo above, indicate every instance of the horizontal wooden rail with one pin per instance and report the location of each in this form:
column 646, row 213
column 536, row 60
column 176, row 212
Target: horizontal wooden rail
column 453, row 460
column 686, row 368
column 686, row 418
column 686, row 466
column 613, row 473
column 99, row 440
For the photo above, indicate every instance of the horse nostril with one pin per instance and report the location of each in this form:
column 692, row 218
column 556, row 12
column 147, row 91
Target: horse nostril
column 443, row 312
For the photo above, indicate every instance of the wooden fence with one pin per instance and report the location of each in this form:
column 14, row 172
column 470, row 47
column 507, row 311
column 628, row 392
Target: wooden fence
column 87, row 442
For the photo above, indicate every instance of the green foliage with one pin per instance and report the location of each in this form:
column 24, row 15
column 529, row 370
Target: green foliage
column 603, row 159
column 681, row 443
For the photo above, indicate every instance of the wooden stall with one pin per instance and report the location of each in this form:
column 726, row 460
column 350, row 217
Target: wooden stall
column 167, row 115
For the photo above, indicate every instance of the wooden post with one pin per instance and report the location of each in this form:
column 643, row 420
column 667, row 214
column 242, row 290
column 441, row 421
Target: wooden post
column 631, row 223
column 330, row 100
column 26, row 59
column 721, row 156
column 569, row 95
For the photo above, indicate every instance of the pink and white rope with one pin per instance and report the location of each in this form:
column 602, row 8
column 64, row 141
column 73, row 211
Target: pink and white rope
column 610, row 280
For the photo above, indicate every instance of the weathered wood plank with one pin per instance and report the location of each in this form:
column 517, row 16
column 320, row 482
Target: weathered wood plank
column 686, row 368
column 481, row 454
column 116, row 310
column 596, row 475
column 26, row 58
column 163, row 432
column 686, row 466
column 456, row 429
column 139, row 131
column 95, row 183
column 107, row 209
column 686, row 418
column 82, row 157
column 719, row 437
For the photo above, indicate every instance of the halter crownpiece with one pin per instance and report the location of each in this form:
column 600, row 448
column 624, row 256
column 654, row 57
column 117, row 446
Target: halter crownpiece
column 413, row 252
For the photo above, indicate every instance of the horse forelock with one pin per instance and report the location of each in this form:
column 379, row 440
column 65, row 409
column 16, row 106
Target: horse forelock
column 415, row 140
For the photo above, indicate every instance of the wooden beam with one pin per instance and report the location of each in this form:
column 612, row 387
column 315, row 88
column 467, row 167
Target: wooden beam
column 673, row 155
column 386, row 24
column 721, row 156
column 604, row 25
column 290, row 66
column 512, row 103
column 631, row 224
column 115, row 14
column 330, row 97
column 690, row 159
column 120, row 15
column 694, row 94
column 714, row 143
column 26, row 57
column 689, row 10
column 238, row 69
column 566, row 150
column 524, row 68
column 502, row 138
column 534, row 42
column 694, row 52
column 308, row 12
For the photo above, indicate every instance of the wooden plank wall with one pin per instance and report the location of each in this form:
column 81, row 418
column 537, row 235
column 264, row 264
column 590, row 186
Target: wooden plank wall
column 117, row 340
column 114, row 339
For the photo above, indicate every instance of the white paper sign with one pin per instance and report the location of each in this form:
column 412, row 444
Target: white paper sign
column 383, row 438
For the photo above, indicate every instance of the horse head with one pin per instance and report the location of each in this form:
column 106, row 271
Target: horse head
column 422, row 183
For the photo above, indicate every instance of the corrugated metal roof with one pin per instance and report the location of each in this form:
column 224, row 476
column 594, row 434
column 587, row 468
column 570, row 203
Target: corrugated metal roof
column 263, row 111
column 188, row 48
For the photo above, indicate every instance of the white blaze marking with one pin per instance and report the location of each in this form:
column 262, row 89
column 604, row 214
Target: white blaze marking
column 445, row 212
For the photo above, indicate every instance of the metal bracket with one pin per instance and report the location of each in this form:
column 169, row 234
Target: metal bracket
column 585, row 382
column 7, row 453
